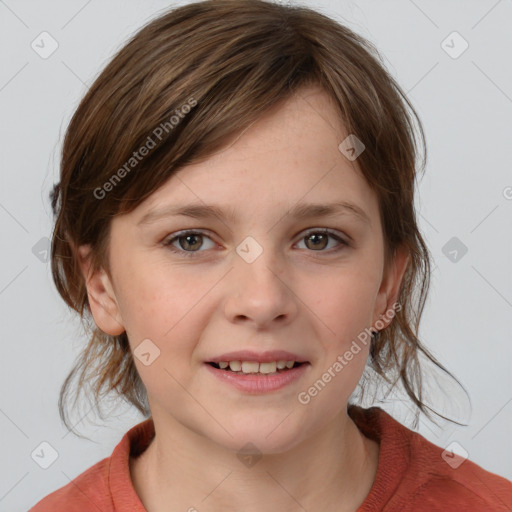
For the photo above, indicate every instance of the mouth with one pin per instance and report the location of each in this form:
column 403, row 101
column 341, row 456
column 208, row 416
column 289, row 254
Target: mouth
column 256, row 368
column 256, row 377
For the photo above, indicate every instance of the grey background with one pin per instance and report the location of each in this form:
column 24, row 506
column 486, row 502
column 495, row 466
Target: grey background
column 465, row 104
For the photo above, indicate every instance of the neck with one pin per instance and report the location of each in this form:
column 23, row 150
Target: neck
column 332, row 470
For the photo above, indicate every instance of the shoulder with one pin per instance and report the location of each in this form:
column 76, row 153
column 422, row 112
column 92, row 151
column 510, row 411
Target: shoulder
column 88, row 491
column 415, row 475
column 107, row 485
column 441, row 480
column 478, row 491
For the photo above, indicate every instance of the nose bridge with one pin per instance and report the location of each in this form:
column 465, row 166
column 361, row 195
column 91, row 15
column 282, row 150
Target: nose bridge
column 257, row 260
column 260, row 290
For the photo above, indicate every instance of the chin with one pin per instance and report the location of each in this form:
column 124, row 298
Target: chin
column 270, row 434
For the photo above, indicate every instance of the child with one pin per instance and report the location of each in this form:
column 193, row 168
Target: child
column 236, row 213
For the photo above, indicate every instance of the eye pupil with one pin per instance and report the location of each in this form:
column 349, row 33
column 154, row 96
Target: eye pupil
column 187, row 238
column 319, row 239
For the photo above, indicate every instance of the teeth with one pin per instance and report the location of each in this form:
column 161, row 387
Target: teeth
column 268, row 367
column 236, row 366
column 255, row 367
column 250, row 367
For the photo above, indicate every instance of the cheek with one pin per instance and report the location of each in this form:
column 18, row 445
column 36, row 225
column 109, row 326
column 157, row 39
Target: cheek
column 343, row 304
column 166, row 307
column 152, row 298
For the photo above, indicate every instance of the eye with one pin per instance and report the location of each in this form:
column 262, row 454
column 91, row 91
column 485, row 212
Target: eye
column 317, row 240
column 188, row 241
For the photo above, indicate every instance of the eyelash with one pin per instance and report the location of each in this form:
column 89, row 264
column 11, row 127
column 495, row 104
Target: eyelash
column 168, row 243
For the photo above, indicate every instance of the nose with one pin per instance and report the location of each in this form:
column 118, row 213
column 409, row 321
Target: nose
column 260, row 290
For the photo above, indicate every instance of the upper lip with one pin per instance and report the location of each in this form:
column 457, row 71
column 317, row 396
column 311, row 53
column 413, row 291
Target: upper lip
column 261, row 357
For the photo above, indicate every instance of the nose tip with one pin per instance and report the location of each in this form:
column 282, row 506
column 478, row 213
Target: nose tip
column 261, row 296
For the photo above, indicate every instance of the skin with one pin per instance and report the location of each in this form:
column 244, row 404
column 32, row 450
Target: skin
column 297, row 296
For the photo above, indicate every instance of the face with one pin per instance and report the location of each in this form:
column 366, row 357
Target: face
column 194, row 288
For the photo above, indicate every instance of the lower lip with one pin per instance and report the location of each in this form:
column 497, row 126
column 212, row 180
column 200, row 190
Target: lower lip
column 254, row 383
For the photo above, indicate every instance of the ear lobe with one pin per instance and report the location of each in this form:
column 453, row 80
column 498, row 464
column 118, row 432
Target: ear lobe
column 100, row 292
column 390, row 287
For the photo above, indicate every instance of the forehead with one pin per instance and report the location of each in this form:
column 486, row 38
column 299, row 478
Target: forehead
column 290, row 155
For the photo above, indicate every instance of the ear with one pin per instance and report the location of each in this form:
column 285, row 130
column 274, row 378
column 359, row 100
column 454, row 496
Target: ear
column 390, row 288
column 102, row 299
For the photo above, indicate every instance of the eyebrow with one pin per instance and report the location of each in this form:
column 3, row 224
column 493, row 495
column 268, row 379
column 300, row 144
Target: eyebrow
column 299, row 211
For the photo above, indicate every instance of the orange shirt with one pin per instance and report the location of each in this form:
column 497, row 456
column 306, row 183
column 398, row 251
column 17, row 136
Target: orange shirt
column 412, row 475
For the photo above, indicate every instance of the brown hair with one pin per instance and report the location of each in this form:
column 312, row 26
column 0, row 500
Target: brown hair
column 230, row 61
